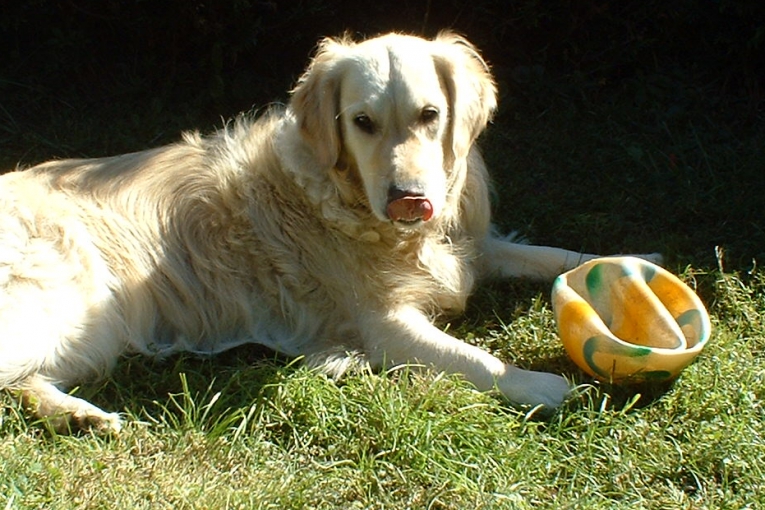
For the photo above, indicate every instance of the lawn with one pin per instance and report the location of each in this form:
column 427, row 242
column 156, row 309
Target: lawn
column 658, row 161
column 244, row 431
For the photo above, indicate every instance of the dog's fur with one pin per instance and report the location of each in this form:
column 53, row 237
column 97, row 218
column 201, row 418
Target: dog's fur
column 277, row 231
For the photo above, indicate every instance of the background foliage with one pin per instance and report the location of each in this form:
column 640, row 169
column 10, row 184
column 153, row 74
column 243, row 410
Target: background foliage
column 90, row 78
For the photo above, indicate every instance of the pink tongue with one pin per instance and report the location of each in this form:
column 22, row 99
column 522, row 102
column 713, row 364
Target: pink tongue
column 410, row 209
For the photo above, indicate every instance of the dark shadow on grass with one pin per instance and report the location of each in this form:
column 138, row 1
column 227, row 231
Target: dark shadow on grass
column 599, row 396
column 145, row 387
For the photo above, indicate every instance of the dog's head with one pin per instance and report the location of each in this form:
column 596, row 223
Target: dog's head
column 399, row 114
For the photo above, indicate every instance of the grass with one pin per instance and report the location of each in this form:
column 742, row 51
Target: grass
column 230, row 433
column 654, row 163
column 244, row 431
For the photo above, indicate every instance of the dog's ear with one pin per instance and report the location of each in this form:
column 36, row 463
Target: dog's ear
column 470, row 87
column 315, row 102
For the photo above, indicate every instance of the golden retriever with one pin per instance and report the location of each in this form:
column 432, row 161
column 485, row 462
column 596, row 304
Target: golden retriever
column 338, row 226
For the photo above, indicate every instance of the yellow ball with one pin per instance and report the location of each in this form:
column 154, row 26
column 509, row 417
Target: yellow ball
column 626, row 320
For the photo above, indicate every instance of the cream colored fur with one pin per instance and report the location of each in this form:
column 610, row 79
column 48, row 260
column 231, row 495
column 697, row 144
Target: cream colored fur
column 272, row 231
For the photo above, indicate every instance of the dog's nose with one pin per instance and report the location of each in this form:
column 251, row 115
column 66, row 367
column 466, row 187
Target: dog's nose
column 408, row 205
column 396, row 192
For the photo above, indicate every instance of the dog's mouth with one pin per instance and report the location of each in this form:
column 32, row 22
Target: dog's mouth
column 410, row 210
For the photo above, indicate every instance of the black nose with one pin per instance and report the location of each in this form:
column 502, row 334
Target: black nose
column 396, row 192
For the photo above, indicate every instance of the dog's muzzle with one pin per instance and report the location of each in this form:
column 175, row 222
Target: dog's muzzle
column 408, row 206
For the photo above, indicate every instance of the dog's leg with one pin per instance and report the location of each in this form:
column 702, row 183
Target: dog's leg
column 506, row 259
column 408, row 336
column 63, row 412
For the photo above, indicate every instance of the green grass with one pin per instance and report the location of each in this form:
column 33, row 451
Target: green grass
column 650, row 164
column 243, row 431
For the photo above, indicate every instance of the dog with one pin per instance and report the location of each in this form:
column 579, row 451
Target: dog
column 336, row 228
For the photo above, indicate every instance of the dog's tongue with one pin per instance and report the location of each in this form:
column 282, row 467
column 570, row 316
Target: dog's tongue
column 410, row 209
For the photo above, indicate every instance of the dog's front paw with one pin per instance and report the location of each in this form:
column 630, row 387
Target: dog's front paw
column 534, row 388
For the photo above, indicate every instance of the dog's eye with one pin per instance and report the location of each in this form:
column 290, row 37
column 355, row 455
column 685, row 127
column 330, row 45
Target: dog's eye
column 429, row 114
column 364, row 123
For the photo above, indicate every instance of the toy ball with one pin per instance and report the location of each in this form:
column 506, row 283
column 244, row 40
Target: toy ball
column 626, row 320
